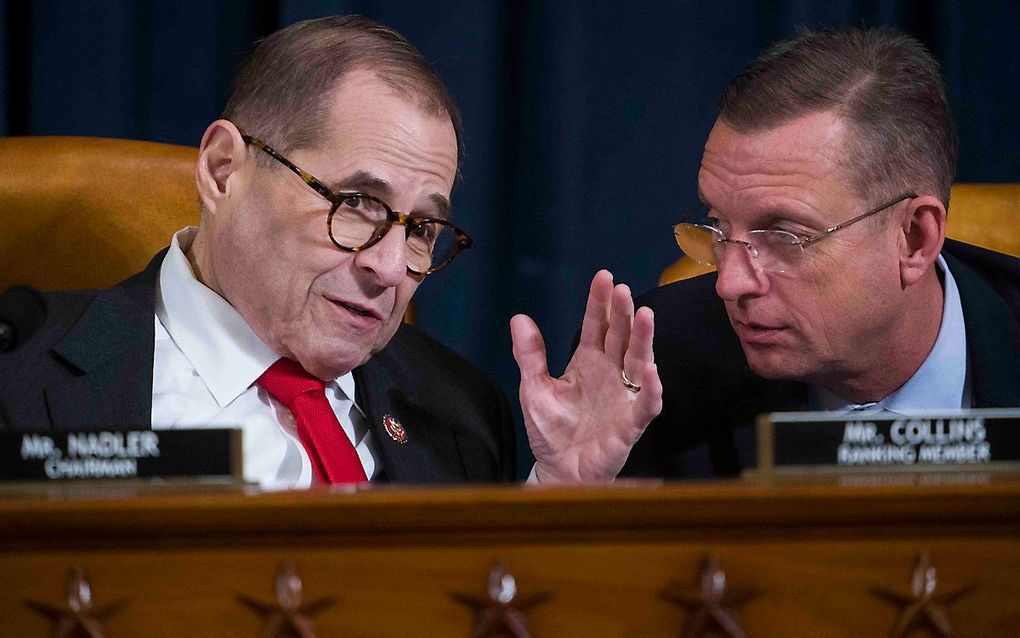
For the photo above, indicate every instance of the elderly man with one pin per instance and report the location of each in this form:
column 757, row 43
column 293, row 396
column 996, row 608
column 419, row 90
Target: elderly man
column 325, row 193
column 826, row 181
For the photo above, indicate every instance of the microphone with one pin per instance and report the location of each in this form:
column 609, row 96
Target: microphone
column 22, row 311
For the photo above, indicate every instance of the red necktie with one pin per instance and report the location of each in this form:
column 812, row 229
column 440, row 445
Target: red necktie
column 334, row 459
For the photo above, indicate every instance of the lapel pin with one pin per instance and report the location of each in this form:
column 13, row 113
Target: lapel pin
column 394, row 429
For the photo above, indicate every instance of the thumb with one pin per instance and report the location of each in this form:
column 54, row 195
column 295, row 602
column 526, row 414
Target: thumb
column 528, row 347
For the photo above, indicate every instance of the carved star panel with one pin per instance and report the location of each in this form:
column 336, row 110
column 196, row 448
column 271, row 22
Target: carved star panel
column 502, row 612
column 922, row 606
column 78, row 615
column 288, row 616
column 709, row 603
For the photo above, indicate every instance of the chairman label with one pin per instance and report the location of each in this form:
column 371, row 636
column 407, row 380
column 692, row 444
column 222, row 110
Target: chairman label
column 116, row 454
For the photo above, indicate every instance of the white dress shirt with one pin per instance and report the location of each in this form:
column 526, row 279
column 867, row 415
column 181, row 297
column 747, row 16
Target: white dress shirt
column 941, row 383
column 206, row 362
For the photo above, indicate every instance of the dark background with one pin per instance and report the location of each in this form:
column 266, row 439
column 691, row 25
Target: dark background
column 584, row 121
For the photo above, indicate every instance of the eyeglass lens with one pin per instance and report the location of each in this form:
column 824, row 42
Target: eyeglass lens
column 356, row 221
column 773, row 250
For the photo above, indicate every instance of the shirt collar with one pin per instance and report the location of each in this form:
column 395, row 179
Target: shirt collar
column 226, row 353
column 941, row 381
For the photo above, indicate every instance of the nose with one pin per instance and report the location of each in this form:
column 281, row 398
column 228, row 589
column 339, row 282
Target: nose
column 738, row 273
column 386, row 259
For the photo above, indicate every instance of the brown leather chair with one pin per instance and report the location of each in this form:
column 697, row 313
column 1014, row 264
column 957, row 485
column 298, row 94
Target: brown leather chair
column 986, row 215
column 85, row 212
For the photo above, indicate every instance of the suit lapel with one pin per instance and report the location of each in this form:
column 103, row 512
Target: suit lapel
column 758, row 396
column 430, row 453
column 992, row 335
column 110, row 348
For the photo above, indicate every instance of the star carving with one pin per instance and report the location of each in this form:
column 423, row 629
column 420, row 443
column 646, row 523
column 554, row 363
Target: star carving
column 922, row 607
column 502, row 613
column 709, row 603
column 288, row 616
column 78, row 617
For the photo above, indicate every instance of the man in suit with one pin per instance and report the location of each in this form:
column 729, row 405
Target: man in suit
column 826, row 181
column 325, row 193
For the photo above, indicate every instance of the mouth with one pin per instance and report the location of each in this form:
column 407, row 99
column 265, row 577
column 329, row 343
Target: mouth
column 754, row 333
column 357, row 310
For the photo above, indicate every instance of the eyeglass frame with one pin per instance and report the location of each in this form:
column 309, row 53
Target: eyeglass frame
column 335, row 198
column 799, row 241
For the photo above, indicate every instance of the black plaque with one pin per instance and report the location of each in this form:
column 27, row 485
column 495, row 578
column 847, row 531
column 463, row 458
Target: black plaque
column 925, row 441
column 121, row 455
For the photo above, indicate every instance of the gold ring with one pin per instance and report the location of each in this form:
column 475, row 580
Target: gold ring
column 630, row 385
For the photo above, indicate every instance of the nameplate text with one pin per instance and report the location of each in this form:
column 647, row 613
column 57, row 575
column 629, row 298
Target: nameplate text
column 120, row 454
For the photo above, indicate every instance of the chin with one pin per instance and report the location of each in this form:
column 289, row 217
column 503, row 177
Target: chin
column 327, row 370
column 775, row 365
column 329, row 364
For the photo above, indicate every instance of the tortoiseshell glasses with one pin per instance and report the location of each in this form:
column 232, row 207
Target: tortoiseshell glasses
column 358, row 221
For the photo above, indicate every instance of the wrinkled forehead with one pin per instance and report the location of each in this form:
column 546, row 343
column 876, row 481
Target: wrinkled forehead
column 375, row 130
column 816, row 137
column 808, row 154
column 362, row 93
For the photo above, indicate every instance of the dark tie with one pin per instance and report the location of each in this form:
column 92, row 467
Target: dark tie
column 333, row 457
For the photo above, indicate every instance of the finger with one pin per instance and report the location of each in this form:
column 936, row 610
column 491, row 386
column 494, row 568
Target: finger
column 650, row 397
column 596, row 312
column 642, row 333
column 528, row 347
column 621, row 316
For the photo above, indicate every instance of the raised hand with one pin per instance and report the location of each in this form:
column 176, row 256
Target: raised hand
column 583, row 425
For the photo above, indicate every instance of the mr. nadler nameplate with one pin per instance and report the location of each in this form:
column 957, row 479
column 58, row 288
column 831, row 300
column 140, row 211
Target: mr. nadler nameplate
column 929, row 440
column 212, row 453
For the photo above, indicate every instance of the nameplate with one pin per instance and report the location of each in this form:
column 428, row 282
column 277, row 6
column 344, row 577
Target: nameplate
column 925, row 441
column 210, row 454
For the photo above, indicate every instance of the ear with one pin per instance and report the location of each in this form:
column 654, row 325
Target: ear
column 220, row 157
column 924, row 230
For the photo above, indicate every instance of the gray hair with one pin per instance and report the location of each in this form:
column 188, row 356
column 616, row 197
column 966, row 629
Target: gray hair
column 281, row 91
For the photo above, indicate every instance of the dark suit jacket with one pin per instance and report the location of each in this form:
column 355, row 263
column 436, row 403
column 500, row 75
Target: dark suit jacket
column 89, row 367
column 711, row 397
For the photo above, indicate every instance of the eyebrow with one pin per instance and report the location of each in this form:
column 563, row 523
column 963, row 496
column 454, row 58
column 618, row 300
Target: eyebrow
column 772, row 215
column 363, row 181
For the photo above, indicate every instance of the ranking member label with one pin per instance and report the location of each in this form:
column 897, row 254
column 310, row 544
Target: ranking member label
column 923, row 440
column 120, row 454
